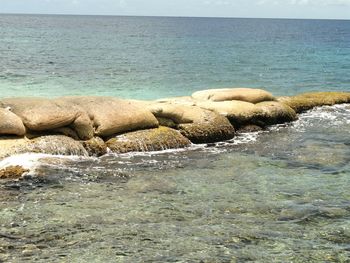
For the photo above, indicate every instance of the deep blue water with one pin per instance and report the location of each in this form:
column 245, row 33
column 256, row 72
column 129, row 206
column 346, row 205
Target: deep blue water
column 149, row 57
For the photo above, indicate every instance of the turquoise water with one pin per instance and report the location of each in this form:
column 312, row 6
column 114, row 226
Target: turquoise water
column 281, row 195
column 139, row 57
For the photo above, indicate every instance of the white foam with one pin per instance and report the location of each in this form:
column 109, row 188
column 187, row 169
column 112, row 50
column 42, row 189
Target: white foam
column 28, row 161
column 31, row 161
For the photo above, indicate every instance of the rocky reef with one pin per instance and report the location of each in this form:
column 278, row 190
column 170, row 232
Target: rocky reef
column 93, row 126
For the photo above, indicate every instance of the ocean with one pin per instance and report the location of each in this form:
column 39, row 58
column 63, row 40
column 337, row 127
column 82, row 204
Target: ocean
column 281, row 195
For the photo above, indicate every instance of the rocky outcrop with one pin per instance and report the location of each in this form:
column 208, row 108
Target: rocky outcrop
column 242, row 94
column 86, row 126
column 307, row 101
column 157, row 139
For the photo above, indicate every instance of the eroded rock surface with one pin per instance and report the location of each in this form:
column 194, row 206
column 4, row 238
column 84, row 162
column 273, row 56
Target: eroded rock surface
column 157, row 139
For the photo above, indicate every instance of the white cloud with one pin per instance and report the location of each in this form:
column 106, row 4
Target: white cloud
column 306, row 2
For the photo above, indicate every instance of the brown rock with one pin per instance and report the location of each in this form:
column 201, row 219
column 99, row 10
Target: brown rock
column 95, row 147
column 276, row 112
column 238, row 112
column 10, row 123
column 241, row 94
column 212, row 127
column 40, row 114
column 307, row 101
column 12, row 172
column 197, row 124
column 148, row 140
column 111, row 115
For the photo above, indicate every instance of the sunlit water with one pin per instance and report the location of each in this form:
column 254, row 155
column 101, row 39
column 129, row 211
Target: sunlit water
column 277, row 196
column 148, row 57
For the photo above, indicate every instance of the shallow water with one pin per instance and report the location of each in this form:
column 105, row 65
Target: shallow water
column 277, row 196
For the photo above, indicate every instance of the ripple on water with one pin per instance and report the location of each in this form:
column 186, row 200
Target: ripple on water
column 280, row 197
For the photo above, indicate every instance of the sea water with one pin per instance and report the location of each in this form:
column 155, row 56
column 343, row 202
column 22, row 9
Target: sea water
column 281, row 195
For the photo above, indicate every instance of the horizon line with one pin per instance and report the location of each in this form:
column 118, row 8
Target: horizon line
column 174, row 16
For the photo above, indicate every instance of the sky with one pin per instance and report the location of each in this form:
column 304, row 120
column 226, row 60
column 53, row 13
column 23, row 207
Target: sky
column 314, row 9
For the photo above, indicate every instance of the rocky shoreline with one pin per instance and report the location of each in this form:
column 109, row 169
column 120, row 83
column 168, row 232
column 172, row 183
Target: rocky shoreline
column 92, row 126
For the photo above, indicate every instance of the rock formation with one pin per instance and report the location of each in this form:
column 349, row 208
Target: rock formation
column 92, row 126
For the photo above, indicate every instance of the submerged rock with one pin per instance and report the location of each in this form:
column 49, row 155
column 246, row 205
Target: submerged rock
column 249, row 128
column 307, row 101
column 241, row 94
column 157, row 139
column 12, row 172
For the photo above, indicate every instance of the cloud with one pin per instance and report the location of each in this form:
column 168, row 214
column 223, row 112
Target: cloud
column 306, row 2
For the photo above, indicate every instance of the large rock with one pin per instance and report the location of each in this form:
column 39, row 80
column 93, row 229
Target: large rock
column 211, row 128
column 242, row 94
column 197, row 124
column 56, row 145
column 276, row 112
column 40, row 114
column 51, row 144
column 157, row 139
column 10, row 123
column 238, row 112
column 111, row 115
column 307, row 101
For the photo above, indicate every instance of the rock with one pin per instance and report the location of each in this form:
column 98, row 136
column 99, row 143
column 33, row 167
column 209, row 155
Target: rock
column 249, row 128
column 276, row 112
column 166, row 122
column 241, row 94
column 12, row 145
column 83, row 126
column 10, row 123
column 185, row 100
column 148, row 140
column 12, row 172
column 95, row 147
column 111, row 115
column 40, row 114
column 307, row 101
column 197, row 124
column 55, row 145
column 50, row 144
column 212, row 127
column 176, row 112
column 30, row 250
column 238, row 112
